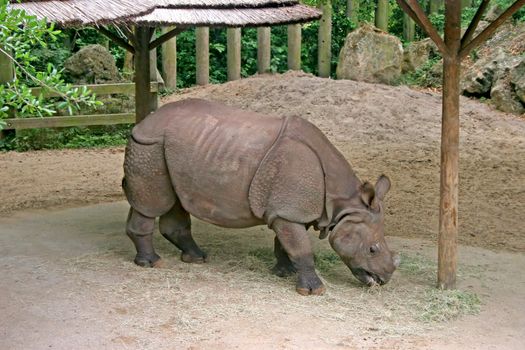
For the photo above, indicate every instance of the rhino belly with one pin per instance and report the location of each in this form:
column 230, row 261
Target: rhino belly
column 212, row 157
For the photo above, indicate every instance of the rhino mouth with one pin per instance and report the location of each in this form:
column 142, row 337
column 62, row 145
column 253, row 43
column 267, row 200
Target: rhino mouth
column 368, row 278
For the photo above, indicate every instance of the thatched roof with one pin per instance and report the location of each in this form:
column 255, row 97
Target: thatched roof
column 84, row 12
column 226, row 17
column 228, row 13
column 221, row 3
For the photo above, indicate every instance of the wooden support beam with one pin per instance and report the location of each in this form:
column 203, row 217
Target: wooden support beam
column 116, row 39
column 381, row 15
column 165, row 37
column 294, row 46
column 233, row 53
column 202, row 53
column 263, row 49
column 412, row 8
column 474, row 23
column 449, row 180
column 324, row 55
column 491, row 28
column 143, row 97
column 169, row 61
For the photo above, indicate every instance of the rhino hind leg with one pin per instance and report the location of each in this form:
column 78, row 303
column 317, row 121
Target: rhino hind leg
column 175, row 226
column 284, row 266
column 295, row 241
column 140, row 229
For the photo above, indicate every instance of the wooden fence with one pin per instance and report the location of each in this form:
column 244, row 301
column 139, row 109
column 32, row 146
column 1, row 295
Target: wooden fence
column 80, row 120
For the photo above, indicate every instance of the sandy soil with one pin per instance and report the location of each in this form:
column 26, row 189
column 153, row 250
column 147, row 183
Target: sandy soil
column 379, row 128
column 68, row 280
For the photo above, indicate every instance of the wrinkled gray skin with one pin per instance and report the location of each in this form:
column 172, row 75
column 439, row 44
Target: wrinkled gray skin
column 236, row 168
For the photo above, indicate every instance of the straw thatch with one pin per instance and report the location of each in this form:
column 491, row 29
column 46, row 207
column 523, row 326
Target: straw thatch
column 226, row 13
column 221, row 3
column 84, row 12
column 237, row 17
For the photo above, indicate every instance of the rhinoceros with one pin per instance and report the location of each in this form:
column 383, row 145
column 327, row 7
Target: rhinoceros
column 235, row 169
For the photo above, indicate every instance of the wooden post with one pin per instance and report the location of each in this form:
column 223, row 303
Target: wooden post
column 7, row 74
column 381, row 18
column 263, row 49
column 352, row 10
column 143, row 96
column 448, row 216
column 409, row 28
column 294, row 47
column 434, row 6
column 154, row 77
column 202, row 53
column 169, row 60
column 233, row 51
column 325, row 40
column 453, row 49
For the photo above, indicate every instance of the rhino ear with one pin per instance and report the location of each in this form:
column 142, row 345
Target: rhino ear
column 367, row 193
column 382, row 186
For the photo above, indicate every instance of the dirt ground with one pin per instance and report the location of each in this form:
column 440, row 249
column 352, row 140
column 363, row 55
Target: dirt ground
column 68, row 280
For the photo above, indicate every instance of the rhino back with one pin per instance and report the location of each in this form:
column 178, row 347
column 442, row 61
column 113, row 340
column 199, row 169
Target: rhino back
column 212, row 152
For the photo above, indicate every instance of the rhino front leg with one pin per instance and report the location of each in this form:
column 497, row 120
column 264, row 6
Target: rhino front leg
column 284, row 266
column 295, row 241
column 140, row 229
column 175, row 226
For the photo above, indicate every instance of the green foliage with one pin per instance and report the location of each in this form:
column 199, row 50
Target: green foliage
column 20, row 35
column 425, row 76
column 76, row 137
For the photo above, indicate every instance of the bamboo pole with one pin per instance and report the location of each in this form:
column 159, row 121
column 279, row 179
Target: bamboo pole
column 263, row 49
column 169, row 60
column 352, row 10
column 434, row 6
column 409, row 28
column 143, row 96
column 294, row 47
column 325, row 40
column 202, row 52
column 381, row 18
column 448, row 218
column 233, row 48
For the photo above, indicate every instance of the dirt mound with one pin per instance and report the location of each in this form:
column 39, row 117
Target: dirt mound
column 397, row 131
column 379, row 128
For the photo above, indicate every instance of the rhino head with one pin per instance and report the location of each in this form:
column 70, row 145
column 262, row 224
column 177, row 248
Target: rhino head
column 358, row 236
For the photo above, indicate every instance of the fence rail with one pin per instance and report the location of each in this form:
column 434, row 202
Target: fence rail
column 79, row 120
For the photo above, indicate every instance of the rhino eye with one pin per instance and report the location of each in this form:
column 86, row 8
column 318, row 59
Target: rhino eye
column 374, row 248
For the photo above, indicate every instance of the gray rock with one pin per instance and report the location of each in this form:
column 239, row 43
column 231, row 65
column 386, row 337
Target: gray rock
column 371, row 55
column 91, row 65
column 416, row 54
column 502, row 94
column 517, row 80
column 479, row 78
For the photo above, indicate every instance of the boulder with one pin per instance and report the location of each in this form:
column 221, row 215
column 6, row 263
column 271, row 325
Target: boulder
column 370, row 55
column 416, row 54
column 478, row 79
column 503, row 96
column 92, row 64
column 517, row 80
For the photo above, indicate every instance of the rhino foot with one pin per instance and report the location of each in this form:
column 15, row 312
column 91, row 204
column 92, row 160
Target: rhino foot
column 310, row 285
column 149, row 260
column 195, row 258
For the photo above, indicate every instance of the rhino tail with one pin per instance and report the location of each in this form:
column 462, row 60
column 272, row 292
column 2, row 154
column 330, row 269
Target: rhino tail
column 147, row 184
column 288, row 184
